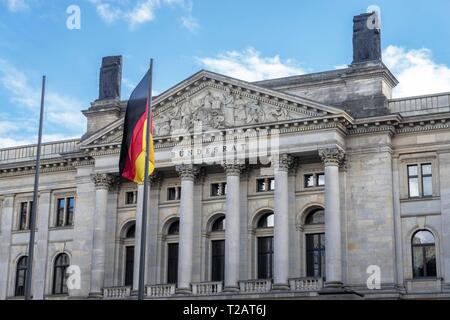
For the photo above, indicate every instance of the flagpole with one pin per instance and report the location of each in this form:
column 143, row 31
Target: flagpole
column 141, row 287
column 29, row 273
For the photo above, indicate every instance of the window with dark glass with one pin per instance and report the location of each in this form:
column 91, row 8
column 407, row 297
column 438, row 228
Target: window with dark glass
column 218, row 225
column 129, row 255
column 174, row 228
column 316, row 217
column 129, row 265
column 173, row 193
column 266, row 221
column 21, row 276
column 265, row 185
column 315, row 245
column 172, row 263
column 24, row 215
column 265, row 257
column 424, row 254
column 315, row 255
column 217, row 260
column 314, row 180
column 59, row 274
column 218, row 189
column 131, row 197
column 64, row 211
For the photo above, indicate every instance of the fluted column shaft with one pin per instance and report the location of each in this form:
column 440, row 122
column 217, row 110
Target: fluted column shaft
column 281, row 228
column 102, row 184
column 333, row 260
column 187, row 174
column 232, row 227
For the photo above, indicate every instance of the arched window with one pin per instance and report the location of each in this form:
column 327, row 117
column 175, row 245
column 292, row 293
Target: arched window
column 266, row 221
column 21, row 276
column 218, row 249
column 264, row 234
column 172, row 251
column 424, row 254
column 174, row 228
column 128, row 243
column 59, row 274
column 218, row 225
column 315, row 243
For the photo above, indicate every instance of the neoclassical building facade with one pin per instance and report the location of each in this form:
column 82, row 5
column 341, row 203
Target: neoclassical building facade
column 338, row 190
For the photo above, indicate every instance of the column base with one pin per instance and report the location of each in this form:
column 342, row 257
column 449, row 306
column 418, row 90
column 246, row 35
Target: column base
column 183, row 291
column 281, row 286
column 231, row 289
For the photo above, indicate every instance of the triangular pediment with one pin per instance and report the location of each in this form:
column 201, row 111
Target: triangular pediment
column 211, row 101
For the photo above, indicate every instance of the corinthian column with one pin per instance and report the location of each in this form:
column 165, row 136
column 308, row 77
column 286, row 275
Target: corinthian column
column 281, row 229
column 333, row 260
column 102, row 184
column 232, row 226
column 187, row 174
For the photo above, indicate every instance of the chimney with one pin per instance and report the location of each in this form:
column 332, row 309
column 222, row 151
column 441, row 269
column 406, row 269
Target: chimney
column 110, row 78
column 366, row 38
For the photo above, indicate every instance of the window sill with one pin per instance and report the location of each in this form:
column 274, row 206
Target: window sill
column 23, row 231
column 415, row 199
column 61, row 228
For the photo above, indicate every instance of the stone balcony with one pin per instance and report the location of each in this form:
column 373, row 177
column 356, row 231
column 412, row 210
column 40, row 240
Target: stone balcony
column 260, row 287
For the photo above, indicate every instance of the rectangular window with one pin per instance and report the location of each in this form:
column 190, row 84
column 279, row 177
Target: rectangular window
column 172, row 263
column 217, row 260
column 129, row 265
column 70, row 211
column 314, row 180
column 131, row 197
column 64, row 212
column 420, row 180
column 173, row 193
column 265, row 257
column 427, row 180
column 315, row 255
column 309, row 181
column 61, row 203
column 413, row 181
column 23, row 216
column 265, row 185
column 218, row 189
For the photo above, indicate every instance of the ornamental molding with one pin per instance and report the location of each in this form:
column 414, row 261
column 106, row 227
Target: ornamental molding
column 187, row 171
column 234, row 167
column 332, row 156
column 284, row 162
column 105, row 180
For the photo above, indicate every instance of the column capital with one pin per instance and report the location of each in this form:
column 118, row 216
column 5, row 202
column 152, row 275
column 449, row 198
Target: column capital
column 187, row 171
column 105, row 180
column 156, row 179
column 233, row 168
column 332, row 156
column 284, row 162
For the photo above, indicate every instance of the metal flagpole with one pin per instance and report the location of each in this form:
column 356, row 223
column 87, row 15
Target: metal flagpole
column 29, row 273
column 141, row 287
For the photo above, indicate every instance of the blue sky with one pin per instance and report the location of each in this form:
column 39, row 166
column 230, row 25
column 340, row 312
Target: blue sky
column 252, row 40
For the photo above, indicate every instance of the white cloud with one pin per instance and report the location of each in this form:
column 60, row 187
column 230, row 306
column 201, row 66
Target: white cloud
column 62, row 113
column 416, row 71
column 190, row 23
column 249, row 65
column 15, row 5
column 139, row 13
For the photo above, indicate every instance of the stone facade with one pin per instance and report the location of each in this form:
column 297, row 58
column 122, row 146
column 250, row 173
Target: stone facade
column 342, row 145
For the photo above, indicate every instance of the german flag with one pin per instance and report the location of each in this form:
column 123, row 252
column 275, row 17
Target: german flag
column 133, row 151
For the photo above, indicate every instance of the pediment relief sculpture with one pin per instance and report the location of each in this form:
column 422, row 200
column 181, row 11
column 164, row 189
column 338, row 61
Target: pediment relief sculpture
column 217, row 109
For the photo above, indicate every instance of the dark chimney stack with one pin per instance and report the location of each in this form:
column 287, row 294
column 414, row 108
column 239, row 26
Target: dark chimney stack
column 110, row 78
column 366, row 38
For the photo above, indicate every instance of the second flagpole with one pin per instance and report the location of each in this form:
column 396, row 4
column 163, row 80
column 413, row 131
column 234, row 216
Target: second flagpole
column 141, row 286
